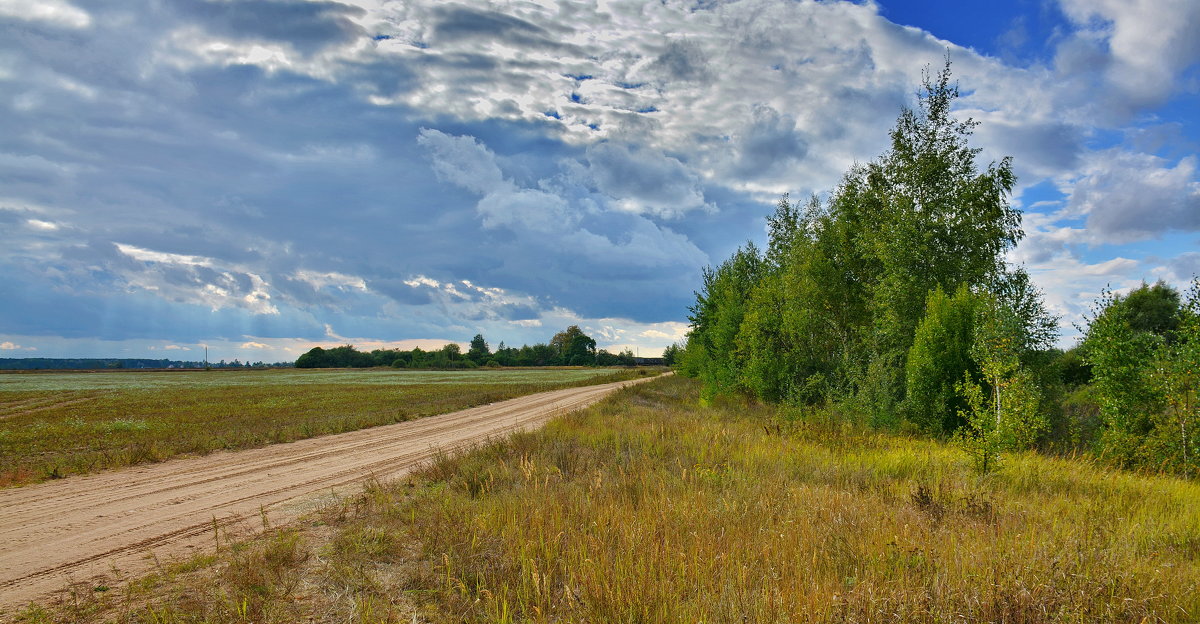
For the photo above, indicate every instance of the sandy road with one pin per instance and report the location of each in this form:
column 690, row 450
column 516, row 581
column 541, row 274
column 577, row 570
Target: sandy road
column 84, row 528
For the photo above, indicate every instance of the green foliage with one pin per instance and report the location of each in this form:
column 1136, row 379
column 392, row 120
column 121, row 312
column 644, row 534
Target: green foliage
column 573, row 347
column 671, row 353
column 717, row 317
column 1153, row 309
column 939, row 360
column 479, row 351
column 1122, row 361
column 1002, row 413
column 830, row 311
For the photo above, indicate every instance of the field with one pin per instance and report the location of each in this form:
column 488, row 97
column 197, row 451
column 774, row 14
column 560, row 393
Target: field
column 648, row 509
column 57, row 424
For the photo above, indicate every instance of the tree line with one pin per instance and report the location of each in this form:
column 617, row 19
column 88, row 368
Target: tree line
column 570, row 347
column 889, row 303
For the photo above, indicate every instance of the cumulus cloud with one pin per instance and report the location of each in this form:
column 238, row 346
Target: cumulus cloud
column 550, row 223
column 1132, row 196
column 641, row 180
column 247, row 169
column 1140, row 46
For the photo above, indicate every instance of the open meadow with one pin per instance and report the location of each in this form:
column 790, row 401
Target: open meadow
column 646, row 508
column 56, row 424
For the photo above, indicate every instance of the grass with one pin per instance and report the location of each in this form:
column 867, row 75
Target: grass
column 56, row 424
column 647, row 509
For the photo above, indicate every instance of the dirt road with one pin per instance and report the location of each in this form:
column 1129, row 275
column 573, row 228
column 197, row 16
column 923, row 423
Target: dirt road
column 86, row 529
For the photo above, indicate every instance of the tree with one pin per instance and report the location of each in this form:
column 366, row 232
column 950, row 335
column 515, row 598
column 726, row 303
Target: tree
column 1122, row 360
column 1003, row 412
column 939, row 360
column 830, row 311
column 573, row 347
column 671, row 353
column 932, row 219
column 479, row 352
column 717, row 317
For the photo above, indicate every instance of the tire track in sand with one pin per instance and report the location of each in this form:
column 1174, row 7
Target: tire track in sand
column 83, row 528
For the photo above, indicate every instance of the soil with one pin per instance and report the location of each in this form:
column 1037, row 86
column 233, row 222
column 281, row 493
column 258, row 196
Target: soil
column 99, row 529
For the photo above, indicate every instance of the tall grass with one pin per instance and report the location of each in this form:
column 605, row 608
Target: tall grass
column 75, row 423
column 646, row 509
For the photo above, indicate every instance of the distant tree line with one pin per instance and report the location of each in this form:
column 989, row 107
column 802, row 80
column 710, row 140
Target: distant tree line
column 889, row 303
column 570, row 347
column 122, row 363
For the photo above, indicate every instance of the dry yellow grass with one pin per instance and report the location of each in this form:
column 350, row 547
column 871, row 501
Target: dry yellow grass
column 647, row 509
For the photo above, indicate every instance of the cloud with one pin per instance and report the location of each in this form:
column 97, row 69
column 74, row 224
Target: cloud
column 199, row 171
column 558, row 228
column 54, row 12
column 1183, row 268
column 642, row 180
column 254, row 345
column 1141, row 46
column 12, row 346
column 462, row 161
column 1131, row 196
column 308, row 26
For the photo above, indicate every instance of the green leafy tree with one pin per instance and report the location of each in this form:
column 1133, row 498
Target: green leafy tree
column 671, row 353
column 1175, row 441
column 932, row 218
column 479, row 352
column 939, row 360
column 717, row 318
column 1002, row 413
column 573, row 347
column 1123, row 360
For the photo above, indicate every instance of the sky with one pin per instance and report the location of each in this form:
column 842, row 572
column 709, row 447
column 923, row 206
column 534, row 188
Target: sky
column 262, row 177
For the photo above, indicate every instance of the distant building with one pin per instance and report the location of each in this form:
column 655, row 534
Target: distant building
column 647, row 361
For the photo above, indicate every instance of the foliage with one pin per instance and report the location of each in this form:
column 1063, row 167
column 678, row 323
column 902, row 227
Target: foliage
column 479, row 351
column 717, row 316
column 1002, row 413
column 1122, row 361
column 570, row 347
column 939, row 360
column 830, row 312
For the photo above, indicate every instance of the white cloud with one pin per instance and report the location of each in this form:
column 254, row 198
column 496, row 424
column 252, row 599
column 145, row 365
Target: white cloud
column 54, row 12
column 194, row 279
column 1149, row 41
column 317, row 279
column 1130, row 196
column 45, row 226
column 254, row 345
column 547, row 221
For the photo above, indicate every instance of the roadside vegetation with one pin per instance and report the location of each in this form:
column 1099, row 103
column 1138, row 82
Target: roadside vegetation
column 646, row 508
column 890, row 304
column 57, row 424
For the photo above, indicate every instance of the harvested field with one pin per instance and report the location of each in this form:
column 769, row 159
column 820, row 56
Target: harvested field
column 57, row 424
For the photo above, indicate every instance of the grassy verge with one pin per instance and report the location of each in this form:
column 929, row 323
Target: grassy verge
column 56, row 424
column 645, row 509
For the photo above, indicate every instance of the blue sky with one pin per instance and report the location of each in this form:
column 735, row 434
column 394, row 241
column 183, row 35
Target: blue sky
column 262, row 177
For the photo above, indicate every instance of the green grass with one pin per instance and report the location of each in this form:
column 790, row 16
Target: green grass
column 645, row 508
column 56, row 424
